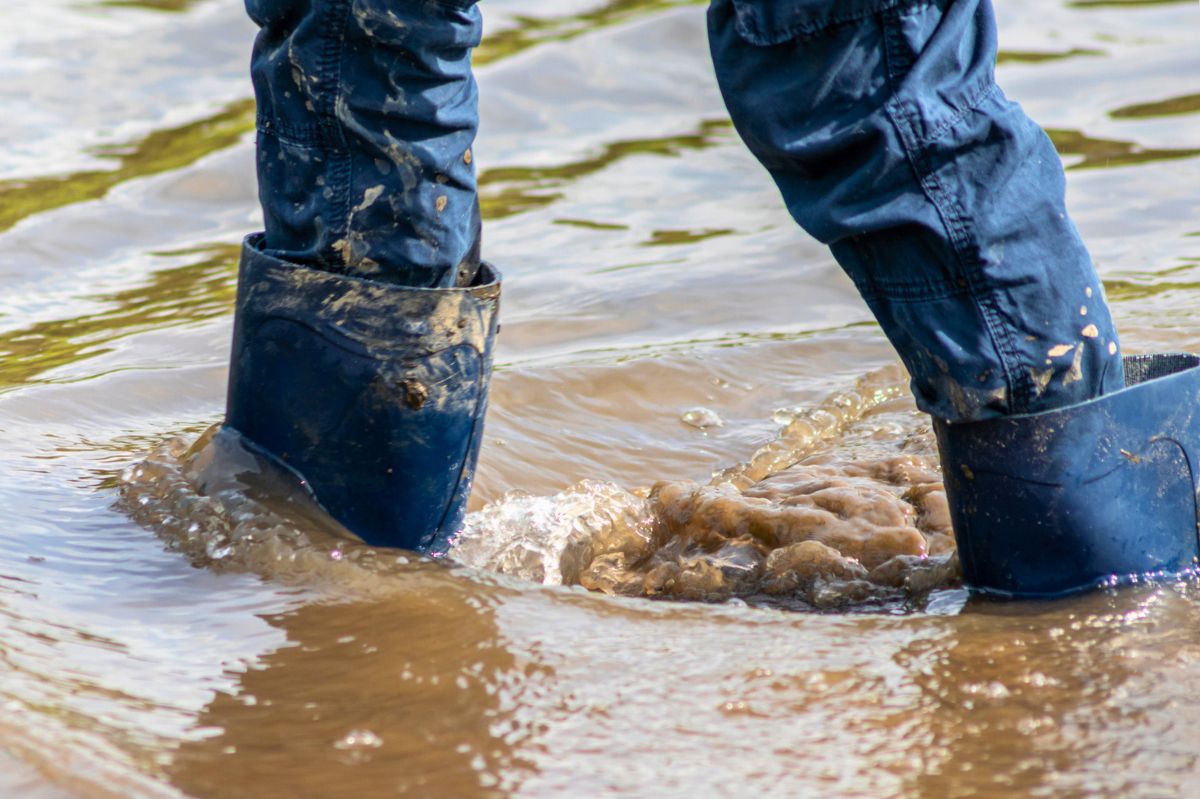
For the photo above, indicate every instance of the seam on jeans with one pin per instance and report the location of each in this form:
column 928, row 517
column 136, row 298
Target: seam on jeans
column 340, row 170
column 953, row 218
column 831, row 24
column 960, row 234
column 896, row 62
column 977, row 96
column 309, row 137
column 871, row 285
column 909, row 292
column 329, row 66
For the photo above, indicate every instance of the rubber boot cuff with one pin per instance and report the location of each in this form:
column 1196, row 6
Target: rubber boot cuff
column 1096, row 494
column 374, row 393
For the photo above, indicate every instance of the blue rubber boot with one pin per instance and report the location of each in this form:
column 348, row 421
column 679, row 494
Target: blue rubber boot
column 373, row 392
column 1099, row 493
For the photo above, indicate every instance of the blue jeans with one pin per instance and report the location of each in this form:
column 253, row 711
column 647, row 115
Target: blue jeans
column 879, row 120
column 367, row 111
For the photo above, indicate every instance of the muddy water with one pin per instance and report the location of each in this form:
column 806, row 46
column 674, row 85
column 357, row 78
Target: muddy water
column 670, row 340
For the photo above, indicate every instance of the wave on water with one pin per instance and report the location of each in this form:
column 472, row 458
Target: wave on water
column 845, row 508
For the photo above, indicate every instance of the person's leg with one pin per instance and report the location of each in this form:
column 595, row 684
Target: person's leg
column 367, row 111
column 883, row 127
column 365, row 319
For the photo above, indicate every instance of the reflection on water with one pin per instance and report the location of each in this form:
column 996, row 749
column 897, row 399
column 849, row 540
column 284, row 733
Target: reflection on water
column 1124, row 3
column 530, row 31
column 505, row 191
column 1035, row 57
column 1081, row 151
column 1187, row 104
column 215, row 634
column 158, row 152
column 1141, row 286
column 201, row 289
column 432, row 651
column 153, row 5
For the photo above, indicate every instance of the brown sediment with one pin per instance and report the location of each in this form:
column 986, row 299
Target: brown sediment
column 862, row 515
column 1041, row 379
column 1075, row 373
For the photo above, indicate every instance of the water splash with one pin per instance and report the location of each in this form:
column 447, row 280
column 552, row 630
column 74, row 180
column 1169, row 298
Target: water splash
column 227, row 507
column 845, row 507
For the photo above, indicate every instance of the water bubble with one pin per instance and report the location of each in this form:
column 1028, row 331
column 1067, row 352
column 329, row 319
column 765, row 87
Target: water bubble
column 784, row 416
column 701, row 418
column 358, row 739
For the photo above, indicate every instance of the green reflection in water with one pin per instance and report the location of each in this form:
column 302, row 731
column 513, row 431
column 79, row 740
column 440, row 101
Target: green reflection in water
column 639, row 265
column 1125, row 3
column 589, row 225
column 666, row 238
column 160, row 151
column 1126, row 290
column 205, row 288
column 176, row 148
column 1174, row 106
column 732, row 340
column 1035, row 57
column 152, row 5
column 532, row 31
column 200, row 290
column 1140, row 285
column 1102, row 153
column 507, row 191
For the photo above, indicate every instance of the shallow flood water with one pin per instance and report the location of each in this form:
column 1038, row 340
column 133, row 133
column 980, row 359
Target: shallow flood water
column 664, row 321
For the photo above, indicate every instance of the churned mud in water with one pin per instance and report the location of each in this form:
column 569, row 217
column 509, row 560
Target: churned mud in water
column 845, row 507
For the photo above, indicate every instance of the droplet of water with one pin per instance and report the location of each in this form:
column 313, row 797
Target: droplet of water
column 701, row 418
column 358, row 739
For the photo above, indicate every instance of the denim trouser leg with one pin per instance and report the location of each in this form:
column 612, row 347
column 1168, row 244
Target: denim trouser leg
column 367, row 111
column 881, row 124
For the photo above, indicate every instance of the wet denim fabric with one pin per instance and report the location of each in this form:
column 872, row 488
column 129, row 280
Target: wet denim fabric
column 882, row 125
column 367, row 112
column 879, row 120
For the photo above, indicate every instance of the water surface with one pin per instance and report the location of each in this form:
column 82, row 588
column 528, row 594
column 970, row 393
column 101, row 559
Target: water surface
column 664, row 321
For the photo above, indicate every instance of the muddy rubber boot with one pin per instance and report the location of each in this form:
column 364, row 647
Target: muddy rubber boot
column 373, row 393
column 1100, row 493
